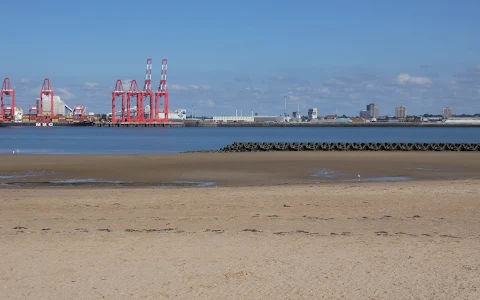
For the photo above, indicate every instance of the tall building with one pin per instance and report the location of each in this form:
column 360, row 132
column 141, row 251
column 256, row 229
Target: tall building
column 372, row 110
column 364, row 114
column 400, row 112
column 447, row 112
column 312, row 114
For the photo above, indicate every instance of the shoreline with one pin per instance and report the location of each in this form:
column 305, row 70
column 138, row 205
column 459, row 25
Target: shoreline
column 233, row 169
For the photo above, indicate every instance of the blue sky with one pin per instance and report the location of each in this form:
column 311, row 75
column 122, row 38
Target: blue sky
column 337, row 55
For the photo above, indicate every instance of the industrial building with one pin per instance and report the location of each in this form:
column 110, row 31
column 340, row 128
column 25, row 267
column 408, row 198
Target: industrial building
column 312, row 114
column 59, row 107
column 400, row 112
column 233, row 118
column 268, row 119
column 245, row 119
column 178, row 114
column 454, row 120
column 297, row 116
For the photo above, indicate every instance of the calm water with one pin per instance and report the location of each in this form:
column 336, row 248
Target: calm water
column 171, row 140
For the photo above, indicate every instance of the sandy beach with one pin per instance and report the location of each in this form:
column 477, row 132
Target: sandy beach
column 267, row 229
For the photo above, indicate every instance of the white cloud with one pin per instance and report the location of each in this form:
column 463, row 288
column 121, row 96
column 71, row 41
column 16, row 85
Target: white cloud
column 177, row 87
column 294, row 98
column 90, row 85
column 64, row 93
column 200, row 87
column 193, row 87
column 324, row 91
column 24, row 80
column 406, row 78
column 207, row 103
column 369, row 86
column 303, row 89
column 478, row 68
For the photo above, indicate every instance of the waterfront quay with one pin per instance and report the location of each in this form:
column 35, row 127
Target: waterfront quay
column 207, row 123
column 139, row 124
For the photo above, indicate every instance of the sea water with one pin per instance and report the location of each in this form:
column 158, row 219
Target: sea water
column 101, row 140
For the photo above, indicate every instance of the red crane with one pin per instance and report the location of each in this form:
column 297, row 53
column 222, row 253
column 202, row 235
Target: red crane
column 118, row 91
column 78, row 111
column 7, row 112
column 47, row 91
column 162, row 92
column 147, row 92
column 133, row 92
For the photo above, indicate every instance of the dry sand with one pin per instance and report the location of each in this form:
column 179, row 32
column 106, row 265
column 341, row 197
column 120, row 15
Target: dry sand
column 246, row 238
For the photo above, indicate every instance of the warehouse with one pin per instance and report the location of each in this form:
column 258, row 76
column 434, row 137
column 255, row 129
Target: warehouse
column 59, row 107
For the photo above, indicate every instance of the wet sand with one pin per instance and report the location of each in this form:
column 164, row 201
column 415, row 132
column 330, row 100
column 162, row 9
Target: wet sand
column 242, row 169
column 252, row 236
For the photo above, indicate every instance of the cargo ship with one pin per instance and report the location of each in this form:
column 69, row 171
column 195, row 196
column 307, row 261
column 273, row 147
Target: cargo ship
column 59, row 114
column 39, row 120
column 46, row 124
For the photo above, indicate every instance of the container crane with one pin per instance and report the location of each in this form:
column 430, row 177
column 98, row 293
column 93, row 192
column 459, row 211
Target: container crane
column 118, row 91
column 147, row 93
column 162, row 92
column 7, row 111
column 133, row 92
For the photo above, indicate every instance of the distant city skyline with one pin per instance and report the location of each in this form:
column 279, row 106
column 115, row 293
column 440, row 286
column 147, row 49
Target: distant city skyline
column 337, row 56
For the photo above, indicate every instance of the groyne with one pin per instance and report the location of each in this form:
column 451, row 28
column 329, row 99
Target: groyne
column 326, row 146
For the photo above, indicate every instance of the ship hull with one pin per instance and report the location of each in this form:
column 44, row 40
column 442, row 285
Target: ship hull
column 46, row 124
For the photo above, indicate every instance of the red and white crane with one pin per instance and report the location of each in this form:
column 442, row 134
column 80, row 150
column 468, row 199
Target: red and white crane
column 162, row 92
column 137, row 94
column 47, row 91
column 7, row 111
column 118, row 91
column 78, row 111
column 147, row 93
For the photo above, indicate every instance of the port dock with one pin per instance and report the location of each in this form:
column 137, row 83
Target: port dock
column 139, row 124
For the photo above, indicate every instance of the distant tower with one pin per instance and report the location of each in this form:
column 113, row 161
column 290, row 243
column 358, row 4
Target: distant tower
column 372, row 110
column 447, row 112
column 400, row 112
